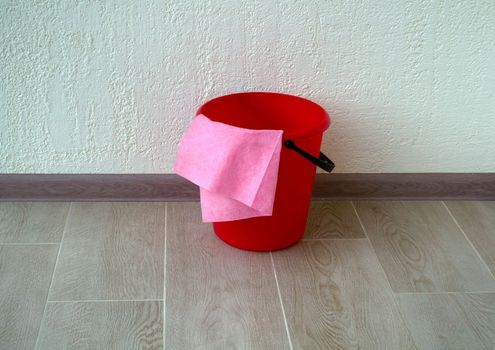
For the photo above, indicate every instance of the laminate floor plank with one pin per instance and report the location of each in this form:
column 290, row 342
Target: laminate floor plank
column 450, row 321
column 421, row 248
column 477, row 220
column 22, row 222
column 122, row 325
column 217, row 297
column 336, row 296
column 108, row 283
column 332, row 220
column 111, row 251
column 25, row 275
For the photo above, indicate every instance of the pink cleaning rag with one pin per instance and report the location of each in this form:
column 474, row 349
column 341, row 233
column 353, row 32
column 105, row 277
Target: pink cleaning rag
column 235, row 168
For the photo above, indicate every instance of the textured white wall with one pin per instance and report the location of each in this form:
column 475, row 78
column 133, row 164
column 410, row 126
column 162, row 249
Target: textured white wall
column 110, row 86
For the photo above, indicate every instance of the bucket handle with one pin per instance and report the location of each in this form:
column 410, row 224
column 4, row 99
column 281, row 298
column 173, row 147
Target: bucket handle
column 322, row 161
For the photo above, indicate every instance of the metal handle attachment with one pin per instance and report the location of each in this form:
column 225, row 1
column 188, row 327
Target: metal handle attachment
column 322, row 161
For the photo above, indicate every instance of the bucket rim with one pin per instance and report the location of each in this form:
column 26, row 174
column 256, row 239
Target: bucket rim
column 315, row 129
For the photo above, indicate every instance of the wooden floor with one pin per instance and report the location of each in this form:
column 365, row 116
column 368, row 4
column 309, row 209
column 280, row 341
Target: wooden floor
column 367, row 275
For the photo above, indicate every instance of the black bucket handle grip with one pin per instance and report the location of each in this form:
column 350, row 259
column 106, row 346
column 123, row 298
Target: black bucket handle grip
column 322, row 161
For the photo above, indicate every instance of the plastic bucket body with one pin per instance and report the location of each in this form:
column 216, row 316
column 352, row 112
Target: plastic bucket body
column 303, row 122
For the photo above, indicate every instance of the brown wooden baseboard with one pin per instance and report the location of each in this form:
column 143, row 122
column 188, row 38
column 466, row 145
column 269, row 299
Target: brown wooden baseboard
column 170, row 187
column 407, row 186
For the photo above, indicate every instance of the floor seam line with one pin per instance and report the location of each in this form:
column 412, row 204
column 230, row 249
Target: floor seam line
column 53, row 275
column 446, row 293
column 372, row 247
column 29, row 243
column 469, row 241
column 281, row 302
column 164, row 295
column 100, row 300
column 333, row 239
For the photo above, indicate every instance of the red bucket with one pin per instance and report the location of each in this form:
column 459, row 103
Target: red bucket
column 303, row 123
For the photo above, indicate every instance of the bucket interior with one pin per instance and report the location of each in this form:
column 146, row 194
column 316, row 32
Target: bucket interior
column 266, row 110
